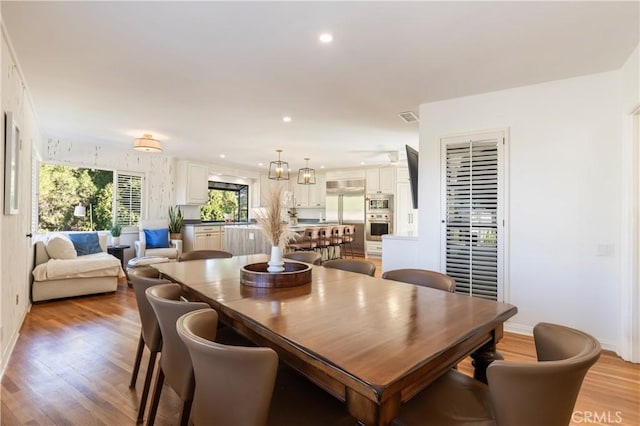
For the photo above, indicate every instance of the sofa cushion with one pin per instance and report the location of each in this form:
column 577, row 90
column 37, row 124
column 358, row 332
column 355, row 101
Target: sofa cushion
column 60, row 247
column 86, row 243
column 157, row 238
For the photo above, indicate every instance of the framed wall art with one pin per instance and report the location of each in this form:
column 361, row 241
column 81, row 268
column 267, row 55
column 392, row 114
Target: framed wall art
column 11, row 163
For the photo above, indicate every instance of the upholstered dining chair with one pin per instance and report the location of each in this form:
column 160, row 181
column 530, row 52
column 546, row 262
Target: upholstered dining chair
column 174, row 365
column 233, row 383
column 225, row 375
column 141, row 279
column 518, row 393
column 153, row 240
column 205, row 254
column 352, row 265
column 422, row 277
column 305, row 256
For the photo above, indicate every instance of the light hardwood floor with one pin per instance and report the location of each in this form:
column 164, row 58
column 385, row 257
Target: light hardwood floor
column 73, row 361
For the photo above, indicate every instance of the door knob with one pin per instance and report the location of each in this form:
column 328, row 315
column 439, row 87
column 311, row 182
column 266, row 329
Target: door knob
column 29, row 235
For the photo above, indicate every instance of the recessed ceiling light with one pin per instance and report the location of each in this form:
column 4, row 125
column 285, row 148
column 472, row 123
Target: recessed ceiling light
column 260, row 164
column 325, row 38
column 362, row 163
column 286, row 119
column 222, row 156
column 322, row 167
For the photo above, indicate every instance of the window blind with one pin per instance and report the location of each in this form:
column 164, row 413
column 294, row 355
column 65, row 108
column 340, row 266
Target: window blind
column 128, row 198
column 471, row 217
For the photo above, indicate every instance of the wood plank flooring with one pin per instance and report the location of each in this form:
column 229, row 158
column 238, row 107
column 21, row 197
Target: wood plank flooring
column 73, row 361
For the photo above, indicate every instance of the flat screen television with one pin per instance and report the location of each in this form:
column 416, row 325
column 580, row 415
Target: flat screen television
column 412, row 162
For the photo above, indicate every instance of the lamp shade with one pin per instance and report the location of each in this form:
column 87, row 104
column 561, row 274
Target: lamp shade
column 147, row 144
column 279, row 170
column 80, row 211
column 306, row 176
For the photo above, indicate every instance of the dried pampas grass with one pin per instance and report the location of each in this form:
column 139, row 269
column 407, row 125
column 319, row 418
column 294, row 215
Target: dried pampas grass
column 270, row 219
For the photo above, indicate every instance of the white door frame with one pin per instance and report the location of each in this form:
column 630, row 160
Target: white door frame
column 503, row 197
column 629, row 347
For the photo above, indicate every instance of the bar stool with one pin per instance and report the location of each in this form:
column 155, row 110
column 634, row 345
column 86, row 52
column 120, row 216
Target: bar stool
column 336, row 240
column 323, row 244
column 348, row 238
column 309, row 240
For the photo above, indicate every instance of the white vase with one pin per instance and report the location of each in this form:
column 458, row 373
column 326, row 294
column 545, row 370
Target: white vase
column 276, row 264
column 115, row 241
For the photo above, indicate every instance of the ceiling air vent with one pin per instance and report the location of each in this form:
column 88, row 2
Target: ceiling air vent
column 408, row 117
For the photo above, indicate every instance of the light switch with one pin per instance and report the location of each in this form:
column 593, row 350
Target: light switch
column 605, row 250
column 251, row 235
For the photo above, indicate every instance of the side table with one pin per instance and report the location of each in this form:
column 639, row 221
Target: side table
column 118, row 251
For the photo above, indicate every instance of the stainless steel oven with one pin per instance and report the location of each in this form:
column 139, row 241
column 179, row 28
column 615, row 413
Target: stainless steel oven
column 379, row 203
column 378, row 224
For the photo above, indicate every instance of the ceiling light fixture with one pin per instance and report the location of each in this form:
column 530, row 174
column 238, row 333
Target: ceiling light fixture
column 222, row 156
column 306, row 176
column 286, row 119
column 325, row 38
column 147, row 144
column 279, row 170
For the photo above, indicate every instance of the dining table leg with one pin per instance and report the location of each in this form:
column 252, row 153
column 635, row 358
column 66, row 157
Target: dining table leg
column 370, row 413
column 484, row 356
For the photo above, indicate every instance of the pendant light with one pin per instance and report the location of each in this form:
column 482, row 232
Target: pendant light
column 279, row 170
column 147, row 144
column 306, row 176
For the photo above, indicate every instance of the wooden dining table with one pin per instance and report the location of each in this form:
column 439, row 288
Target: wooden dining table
column 370, row 342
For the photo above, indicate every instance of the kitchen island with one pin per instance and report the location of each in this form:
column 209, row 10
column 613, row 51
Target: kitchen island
column 245, row 239
column 249, row 239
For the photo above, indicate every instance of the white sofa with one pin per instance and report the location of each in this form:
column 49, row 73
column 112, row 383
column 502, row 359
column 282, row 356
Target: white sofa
column 55, row 278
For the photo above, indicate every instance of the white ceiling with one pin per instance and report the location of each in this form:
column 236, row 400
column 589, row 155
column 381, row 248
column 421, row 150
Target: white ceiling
column 216, row 78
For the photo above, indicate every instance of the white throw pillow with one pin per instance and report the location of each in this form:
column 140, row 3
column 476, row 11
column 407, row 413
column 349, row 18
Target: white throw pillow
column 60, row 247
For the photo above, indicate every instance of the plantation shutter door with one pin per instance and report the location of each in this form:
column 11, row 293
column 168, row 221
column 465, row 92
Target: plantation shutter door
column 129, row 198
column 472, row 254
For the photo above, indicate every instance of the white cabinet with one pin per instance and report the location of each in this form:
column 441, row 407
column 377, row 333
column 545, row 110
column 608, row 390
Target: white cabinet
column 267, row 186
column 405, row 217
column 203, row 238
column 192, row 183
column 374, row 249
column 311, row 196
column 381, row 180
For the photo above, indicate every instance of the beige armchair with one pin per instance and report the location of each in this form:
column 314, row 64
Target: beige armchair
column 172, row 252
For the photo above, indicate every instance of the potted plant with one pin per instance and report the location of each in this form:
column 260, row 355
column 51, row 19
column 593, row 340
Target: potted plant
column 228, row 209
column 176, row 221
column 116, row 230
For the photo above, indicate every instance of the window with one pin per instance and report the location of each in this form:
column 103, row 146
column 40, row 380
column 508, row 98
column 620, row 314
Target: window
column 62, row 188
column 473, row 211
column 226, row 198
column 128, row 202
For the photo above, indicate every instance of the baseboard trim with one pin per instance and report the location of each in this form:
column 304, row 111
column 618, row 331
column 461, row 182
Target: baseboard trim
column 6, row 356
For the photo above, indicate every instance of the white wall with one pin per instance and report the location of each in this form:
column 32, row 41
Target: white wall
column 15, row 246
column 159, row 169
column 564, row 190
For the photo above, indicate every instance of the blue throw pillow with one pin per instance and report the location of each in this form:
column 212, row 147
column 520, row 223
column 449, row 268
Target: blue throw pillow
column 157, row 238
column 86, row 243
